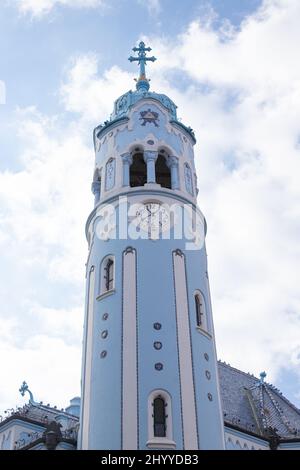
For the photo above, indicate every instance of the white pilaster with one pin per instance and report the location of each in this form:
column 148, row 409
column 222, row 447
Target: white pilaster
column 88, row 360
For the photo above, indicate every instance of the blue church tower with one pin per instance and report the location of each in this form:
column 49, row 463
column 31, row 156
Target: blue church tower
column 149, row 369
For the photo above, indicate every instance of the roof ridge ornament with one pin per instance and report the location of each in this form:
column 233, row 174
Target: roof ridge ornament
column 142, row 82
column 24, row 388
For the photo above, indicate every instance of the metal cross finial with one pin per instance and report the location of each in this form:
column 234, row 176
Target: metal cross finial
column 262, row 375
column 142, row 60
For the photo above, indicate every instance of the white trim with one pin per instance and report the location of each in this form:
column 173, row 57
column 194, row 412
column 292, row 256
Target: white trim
column 166, row 442
column 160, row 443
column 242, row 441
column 129, row 382
column 88, row 362
column 185, row 360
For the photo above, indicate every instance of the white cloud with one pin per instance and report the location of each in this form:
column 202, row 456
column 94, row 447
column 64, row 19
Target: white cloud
column 43, row 211
column 39, row 8
column 47, row 357
column 48, row 365
column 42, row 205
column 85, row 93
column 2, row 92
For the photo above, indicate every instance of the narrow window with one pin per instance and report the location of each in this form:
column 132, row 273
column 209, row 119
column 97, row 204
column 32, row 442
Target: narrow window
column 160, row 426
column 138, row 170
column 162, row 171
column 159, row 417
column 200, row 311
column 109, row 274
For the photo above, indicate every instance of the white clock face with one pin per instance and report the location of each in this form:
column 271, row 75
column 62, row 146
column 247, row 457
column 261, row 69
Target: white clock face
column 153, row 218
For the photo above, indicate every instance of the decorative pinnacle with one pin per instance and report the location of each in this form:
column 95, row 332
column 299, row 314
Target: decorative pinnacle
column 142, row 82
column 262, row 375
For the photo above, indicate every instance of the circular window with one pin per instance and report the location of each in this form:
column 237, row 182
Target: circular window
column 157, row 326
column 159, row 366
column 209, row 396
column 103, row 354
column 105, row 316
column 206, row 356
column 208, row 374
column 104, row 334
column 157, row 345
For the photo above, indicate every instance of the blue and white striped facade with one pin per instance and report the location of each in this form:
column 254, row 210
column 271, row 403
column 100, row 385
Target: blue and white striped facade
column 152, row 300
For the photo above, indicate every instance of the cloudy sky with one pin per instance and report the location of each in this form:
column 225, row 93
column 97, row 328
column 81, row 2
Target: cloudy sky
column 233, row 69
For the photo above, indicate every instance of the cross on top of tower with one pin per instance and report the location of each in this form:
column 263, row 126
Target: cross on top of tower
column 142, row 81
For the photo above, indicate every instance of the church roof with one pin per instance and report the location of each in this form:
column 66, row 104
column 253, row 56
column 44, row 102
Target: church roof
column 253, row 405
column 43, row 418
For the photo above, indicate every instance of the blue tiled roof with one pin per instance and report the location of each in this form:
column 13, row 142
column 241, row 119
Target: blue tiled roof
column 256, row 406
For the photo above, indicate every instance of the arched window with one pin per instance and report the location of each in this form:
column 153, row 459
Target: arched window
column 159, row 417
column 138, row 170
column 201, row 317
column 160, row 426
column 107, row 274
column 162, row 171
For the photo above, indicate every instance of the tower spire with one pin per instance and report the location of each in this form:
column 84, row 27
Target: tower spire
column 142, row 82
